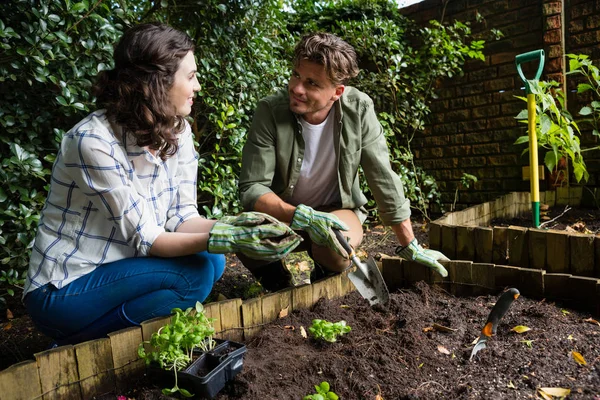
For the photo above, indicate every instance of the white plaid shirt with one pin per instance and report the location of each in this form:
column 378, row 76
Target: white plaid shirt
column 109, row 199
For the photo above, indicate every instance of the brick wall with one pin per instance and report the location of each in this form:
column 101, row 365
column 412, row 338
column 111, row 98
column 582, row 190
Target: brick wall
column 472, row 129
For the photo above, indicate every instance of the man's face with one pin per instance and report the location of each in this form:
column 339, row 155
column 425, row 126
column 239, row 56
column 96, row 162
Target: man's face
column 185, row 86
column 312, row 93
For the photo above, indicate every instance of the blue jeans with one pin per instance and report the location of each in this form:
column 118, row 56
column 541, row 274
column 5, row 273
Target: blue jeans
column 123, row 293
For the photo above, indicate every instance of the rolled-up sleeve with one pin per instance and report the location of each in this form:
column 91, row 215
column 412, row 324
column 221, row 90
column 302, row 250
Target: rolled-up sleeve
column 93, row 162
column 184, row 204
column 258, row 157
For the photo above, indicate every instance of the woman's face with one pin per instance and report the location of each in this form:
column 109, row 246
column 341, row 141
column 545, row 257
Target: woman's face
column 185, row 86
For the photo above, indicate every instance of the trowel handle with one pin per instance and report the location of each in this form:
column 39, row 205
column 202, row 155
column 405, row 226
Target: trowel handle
column 340, row 237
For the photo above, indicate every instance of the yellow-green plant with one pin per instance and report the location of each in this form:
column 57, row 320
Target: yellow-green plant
column 175, row 342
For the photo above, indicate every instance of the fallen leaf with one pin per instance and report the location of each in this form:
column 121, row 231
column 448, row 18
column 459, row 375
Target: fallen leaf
column 428, row 329
column 474, row 342
column 565, row 312
column 378, row 397
column 290, row 327
column 591, row 321
column 544, row 395
column 511, row 385
column 344, row 306
column 303, row 332
column 521, row 329
column 283, row 313
column 442, row 328
column 578, row 358
column 570, row 337
column 7, row 326
column 443, row 350
column 555, row 392
column 9, row 314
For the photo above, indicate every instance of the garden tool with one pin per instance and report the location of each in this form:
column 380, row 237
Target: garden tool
column 536, row 55
column 367, row 278
column 498, row 311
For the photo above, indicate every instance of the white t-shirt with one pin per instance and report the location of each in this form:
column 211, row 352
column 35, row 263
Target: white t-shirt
column 317, row 184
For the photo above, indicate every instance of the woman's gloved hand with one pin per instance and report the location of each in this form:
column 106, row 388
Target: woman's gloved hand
column 319, row 226
column 427, row 257
column 256, row 235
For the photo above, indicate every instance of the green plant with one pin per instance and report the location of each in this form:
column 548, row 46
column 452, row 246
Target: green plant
column 173, row 345
column 582, row 65
column 328, row 331
column 556, row 130
column 465, row 181
column 323, row 393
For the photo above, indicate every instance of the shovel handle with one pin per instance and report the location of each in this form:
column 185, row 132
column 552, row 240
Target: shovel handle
column 340, row 237
column 536, row 55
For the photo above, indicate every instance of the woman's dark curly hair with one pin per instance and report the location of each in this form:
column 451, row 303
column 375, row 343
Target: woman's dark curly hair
column 135, row 92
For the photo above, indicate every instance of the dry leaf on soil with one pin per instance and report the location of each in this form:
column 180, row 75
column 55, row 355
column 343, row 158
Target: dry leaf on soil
column 443, row 350
column 521, row 329
column 578, row 358
column 428, row 329
column 283, row 313
column 303, row 332
column 9, row 314
column 591, row 321
column 550, row 393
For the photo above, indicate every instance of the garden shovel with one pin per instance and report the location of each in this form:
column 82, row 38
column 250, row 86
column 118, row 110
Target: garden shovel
column 498, row 311
column 367, row 278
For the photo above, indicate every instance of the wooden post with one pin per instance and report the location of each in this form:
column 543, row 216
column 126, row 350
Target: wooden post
column 582, row 254
column 537, row 248
column 128, row 365
column 59, row 377
column 435, row 236
column 302, row 297
column 212, row 310
column 95, row 366
column 518, row 246
column 484, row 241
column 449, row 241
column 500, row 245
column 252, row 317
column 465, row 240
column 21, row 381
column 558, row 252
column 231, row 319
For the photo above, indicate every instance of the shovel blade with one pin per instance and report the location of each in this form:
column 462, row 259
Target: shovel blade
column 368, row 281
column 480, row 345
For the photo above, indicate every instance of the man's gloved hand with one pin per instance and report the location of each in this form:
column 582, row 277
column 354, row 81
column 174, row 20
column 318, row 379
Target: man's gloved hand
column 257, row 235
column 319, row 226
column 427, row 257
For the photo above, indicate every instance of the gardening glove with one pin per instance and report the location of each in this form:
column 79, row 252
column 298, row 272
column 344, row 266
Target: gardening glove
column 319, row 226
column 427, row 257
column 256, row 235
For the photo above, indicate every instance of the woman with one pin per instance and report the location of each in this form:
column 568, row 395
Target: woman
column 120, row 239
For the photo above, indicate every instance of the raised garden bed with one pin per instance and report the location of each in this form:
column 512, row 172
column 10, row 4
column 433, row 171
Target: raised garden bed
column 110, row 365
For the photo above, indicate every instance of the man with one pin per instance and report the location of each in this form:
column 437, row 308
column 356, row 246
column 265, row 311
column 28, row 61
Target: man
column 301, row 159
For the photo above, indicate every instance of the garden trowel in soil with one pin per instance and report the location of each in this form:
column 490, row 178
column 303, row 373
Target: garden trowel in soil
column 366, row 278
column 498, row 311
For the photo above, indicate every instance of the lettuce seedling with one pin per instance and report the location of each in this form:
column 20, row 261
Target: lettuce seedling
column 328, row 331
column 323, row 393
column 175, row 342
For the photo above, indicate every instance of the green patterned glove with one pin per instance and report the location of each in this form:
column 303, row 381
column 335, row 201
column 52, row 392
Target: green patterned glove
column 319, row 226
column 256, row 235
column 429, row 258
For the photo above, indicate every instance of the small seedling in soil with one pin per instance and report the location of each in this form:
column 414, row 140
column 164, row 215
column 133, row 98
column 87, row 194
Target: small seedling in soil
column 175, row 342
column 328, row 331
column 323, row 393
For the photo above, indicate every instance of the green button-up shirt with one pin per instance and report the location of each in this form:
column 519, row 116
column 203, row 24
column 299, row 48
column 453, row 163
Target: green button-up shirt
column 274, row 150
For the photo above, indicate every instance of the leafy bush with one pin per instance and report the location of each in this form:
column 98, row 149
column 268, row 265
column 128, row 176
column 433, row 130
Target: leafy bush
column 51, row 51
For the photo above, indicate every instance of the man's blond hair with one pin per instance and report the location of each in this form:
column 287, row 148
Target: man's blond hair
column 337, row 56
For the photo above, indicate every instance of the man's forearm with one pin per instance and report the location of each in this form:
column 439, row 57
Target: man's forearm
column 270, row 203
column 404, row 232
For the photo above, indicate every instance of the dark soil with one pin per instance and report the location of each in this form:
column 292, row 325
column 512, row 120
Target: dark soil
column 582, row 220
column 393, row 352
